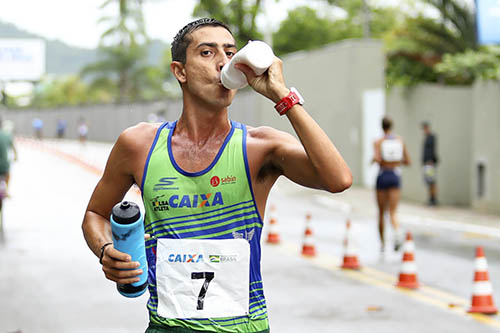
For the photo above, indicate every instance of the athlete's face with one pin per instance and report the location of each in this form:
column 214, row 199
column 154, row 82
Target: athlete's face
column 210, row 49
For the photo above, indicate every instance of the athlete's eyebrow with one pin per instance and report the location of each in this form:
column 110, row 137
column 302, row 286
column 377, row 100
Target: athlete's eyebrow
column 226, row 45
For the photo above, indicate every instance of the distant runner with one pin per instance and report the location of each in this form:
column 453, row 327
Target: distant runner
column 390, row 153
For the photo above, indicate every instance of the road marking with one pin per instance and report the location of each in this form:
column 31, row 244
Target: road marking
column 466, row 228
column 475, row 235
column 425, row 294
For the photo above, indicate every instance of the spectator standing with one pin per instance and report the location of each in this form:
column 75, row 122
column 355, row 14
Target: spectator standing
column 429, row 162
column 83, row 130
column 37, row 124
column 61, row 128
column 6, row 144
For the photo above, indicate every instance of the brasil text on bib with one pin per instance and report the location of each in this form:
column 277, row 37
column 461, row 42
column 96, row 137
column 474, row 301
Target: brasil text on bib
column 202, row 278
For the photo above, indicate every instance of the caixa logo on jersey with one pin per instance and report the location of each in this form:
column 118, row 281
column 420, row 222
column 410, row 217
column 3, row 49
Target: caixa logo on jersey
column 185, row 257
column 196, row 200
column 166, row 183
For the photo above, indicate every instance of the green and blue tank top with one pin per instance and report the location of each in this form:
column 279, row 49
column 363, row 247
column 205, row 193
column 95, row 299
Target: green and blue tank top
column 5, row 145
column 215, row 203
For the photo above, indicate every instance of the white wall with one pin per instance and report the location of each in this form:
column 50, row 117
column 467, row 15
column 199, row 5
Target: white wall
column 449, row 110
column 486, row 145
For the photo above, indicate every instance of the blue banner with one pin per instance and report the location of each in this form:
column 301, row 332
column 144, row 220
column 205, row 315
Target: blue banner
column 488, row 21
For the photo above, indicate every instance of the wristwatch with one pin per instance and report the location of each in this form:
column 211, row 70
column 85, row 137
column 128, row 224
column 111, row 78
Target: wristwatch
column 287, row 102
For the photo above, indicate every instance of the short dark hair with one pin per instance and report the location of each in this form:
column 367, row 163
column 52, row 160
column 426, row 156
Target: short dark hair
column 386, row 123
column 182, row 39
column 426, row 124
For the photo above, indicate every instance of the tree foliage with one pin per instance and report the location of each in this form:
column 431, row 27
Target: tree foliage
column 464, row 68
column 305, row 29
column 69, row 90
column 122, row 68
column 416, row 47
column 240, row 15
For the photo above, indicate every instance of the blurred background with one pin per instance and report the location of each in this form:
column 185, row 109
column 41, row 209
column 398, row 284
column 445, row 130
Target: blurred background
column 104, row 65
column 75, row 74
column 114, row 51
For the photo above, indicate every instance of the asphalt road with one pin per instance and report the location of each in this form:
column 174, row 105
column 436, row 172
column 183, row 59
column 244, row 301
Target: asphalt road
column 51, row 282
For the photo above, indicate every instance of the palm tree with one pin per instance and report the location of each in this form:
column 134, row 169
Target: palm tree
column 421, row 42
column 122, row 48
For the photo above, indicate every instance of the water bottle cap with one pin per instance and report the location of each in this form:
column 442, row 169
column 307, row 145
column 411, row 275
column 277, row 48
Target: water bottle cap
column 126, row 212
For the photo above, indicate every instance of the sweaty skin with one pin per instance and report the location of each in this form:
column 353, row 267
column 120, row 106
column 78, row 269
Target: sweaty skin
column 201, row 129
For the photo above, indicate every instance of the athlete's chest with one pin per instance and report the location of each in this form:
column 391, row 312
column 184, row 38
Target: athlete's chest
column 193, row 157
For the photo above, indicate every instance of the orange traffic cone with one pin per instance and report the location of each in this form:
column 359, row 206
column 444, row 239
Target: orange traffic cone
column 482, row 294
column 308, row 248
column 408, row 273
column 272, row 237
column 350, row 256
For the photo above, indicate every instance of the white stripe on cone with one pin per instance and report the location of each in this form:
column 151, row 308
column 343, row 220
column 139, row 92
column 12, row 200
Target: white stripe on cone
column 408, row 267
column 308, row 240
column 482, row 288
column 409, row 246
column 350, row 251
column 481, row 264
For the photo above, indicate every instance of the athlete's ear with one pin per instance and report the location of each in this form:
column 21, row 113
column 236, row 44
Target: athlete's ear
column 178, row 69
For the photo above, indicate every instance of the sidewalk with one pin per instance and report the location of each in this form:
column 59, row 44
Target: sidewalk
column 362, row 205
column 359, row 198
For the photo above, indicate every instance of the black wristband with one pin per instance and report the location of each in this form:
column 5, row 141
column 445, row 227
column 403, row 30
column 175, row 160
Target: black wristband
column 102, row 251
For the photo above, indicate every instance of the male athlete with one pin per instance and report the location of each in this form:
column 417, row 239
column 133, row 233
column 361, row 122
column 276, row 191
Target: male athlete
column 429, row 161
column 205, row 180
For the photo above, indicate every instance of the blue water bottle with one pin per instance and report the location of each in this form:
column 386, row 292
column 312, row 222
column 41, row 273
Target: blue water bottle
column 127, row 226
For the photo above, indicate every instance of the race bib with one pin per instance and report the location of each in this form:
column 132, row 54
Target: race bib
column 392, row 150
column 202, row 278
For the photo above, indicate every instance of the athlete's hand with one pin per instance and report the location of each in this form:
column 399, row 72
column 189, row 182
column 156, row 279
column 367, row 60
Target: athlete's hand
column 270, row 84
column 119, row 267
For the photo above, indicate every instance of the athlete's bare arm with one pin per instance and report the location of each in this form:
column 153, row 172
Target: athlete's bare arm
column 406, row 155
column 377, row 157
column 124, row 168
column 314, row 161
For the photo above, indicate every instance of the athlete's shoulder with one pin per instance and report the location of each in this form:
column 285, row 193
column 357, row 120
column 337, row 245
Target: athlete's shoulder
column 138, row 137
column 141, row 130
column 266, row 133
column 398, row 137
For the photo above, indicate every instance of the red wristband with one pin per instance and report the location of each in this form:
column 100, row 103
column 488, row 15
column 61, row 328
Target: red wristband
column 287, row 102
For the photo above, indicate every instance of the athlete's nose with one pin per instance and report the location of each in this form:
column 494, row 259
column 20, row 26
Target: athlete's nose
column 222, row 61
